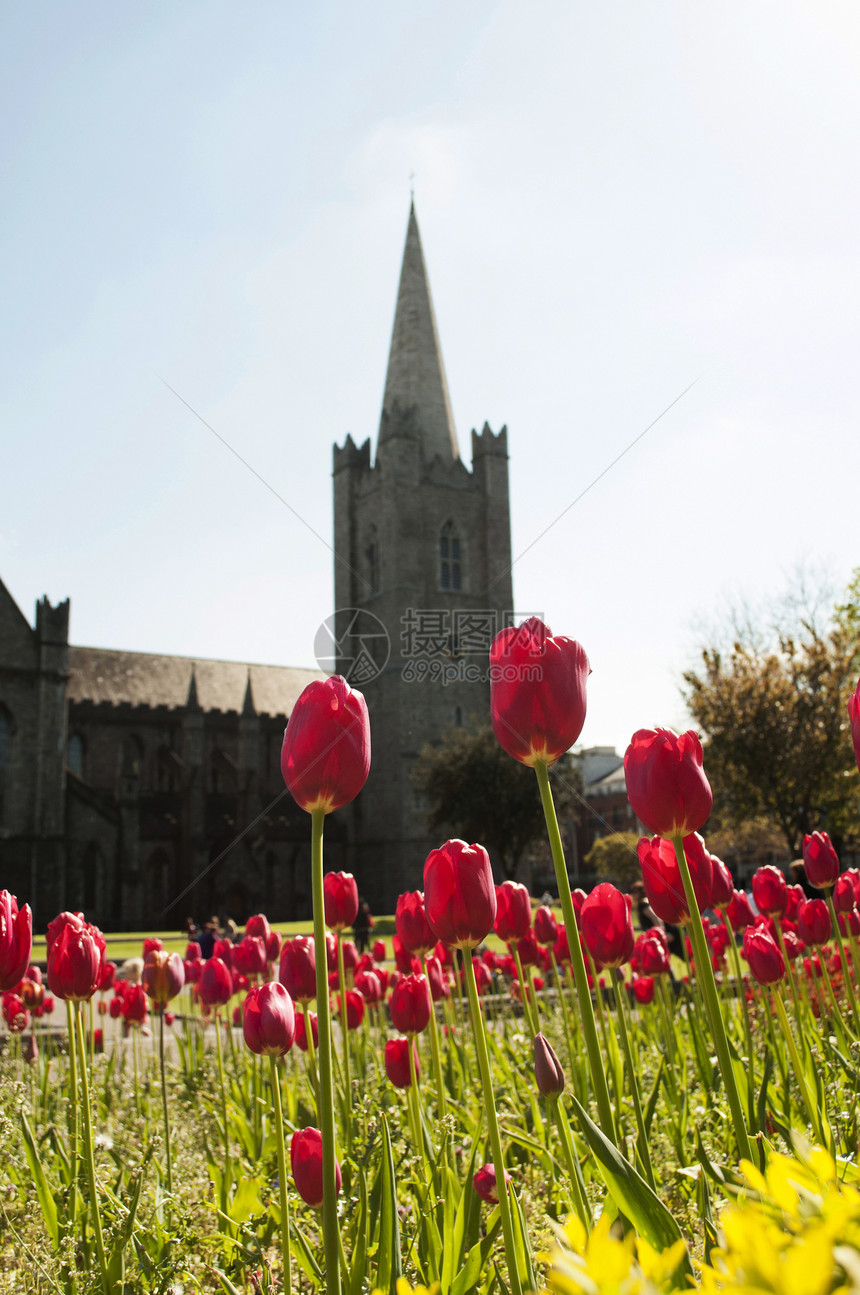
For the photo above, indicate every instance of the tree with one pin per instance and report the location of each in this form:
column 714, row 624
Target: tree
column 474, row 790
column 773, row 712
column 614, row 858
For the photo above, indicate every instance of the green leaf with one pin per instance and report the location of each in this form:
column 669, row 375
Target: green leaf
column 652, row 1100
column 304, row 1255
column 43, row 1192
column 117, row 1254
column 469, row 1275
column 632, row 1195
column 389, row 1264
column 358, row 1268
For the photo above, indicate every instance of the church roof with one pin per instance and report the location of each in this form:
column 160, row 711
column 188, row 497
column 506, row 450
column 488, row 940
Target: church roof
column 148, row 679
column 416, row 374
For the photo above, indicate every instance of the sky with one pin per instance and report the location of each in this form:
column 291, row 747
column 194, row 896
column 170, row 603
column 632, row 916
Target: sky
column 620, row 203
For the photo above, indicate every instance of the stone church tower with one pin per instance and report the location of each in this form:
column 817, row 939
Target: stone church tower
column 422, row 583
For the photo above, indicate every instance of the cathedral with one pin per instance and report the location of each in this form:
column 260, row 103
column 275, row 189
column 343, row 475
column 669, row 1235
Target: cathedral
column 142, row 788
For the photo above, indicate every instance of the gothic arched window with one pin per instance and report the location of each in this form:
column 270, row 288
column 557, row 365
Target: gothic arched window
column 75, row 755
column 371, row 554
column 450, row 570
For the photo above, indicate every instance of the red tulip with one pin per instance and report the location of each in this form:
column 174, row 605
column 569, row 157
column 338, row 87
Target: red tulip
column 258, row 925
column 269, row 1020
column 350, row 955
column 528, row 950
column 223, row 949
column 298, row 969
column 31, row 989
column 484, row 1183
column 662, row 878
column 216, row 983
column 397, row 1062
column 411, row 922
column 549, row 1075
column 249, row 956
column 854, row 717
column 459, row 894
column 513, row 911
column 380, row 950
column 151, row 945
column 301, row 1035
column 722, row 886
column 107, row 977
column 769, row 890
column 643, row 989
column 483, row 976
column 537, row 692
column 795, row 898
column 340, row 895
column 325, row 758
column 163, row 975
column 562, row 945
column 793, row 945
column 820, row 860
column 849, row 922
column 762, row 953
column 306, row 1162
column 653, row 955
column 354, row 1009
column 133, row 1004
column 545, row 926
column 369, row 986
column 666, row 784
column 75, row 961
column 813, row 922
column 438, row 981
column 410, row 1005
column 739, row 911
column 607, row 925
column 273, row 946
column 192, row 952
column 15, row 1014
column 844, row 895
column 16, row 940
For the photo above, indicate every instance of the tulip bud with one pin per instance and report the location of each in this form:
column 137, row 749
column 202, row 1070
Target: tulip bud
column 268, row 1020
column 769, row 890
column 163, row 975
column 854, row 719
column 75, row 960
column 410, row 1005
column 459, row 893
column 545, row 926
column 813, row 922
column 16, row 940
column 301, row 1034
column 606, row 921
column 340, row 896
column 763, row 955
column 216, row 983
column 397, row 1062
column 820, row 860
column 548, row 1072
column 485, row 1184
column 306, row 1162
column 411, row 922
column 537, row 692
column 666, row 784
column 325, row 758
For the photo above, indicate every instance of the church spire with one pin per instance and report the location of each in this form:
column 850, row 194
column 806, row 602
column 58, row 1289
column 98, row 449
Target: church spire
column 416, row 374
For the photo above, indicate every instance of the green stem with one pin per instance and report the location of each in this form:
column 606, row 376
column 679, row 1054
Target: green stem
column 282, row 1173
column 493, row 1124
column 797, row 1066
column 524, row 991
column 220, row 1053
column 846, row 969
column 705, row 980
column 326, row 1076
column 164, row 1103
column 344, row 1029
column 88, row 1147
column 73, row 1105
column 633, row 1083
column 580, row 1203
column 441, row 1097
column 586, row 1007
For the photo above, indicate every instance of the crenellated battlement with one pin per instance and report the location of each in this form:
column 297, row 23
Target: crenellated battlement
column 351, row 456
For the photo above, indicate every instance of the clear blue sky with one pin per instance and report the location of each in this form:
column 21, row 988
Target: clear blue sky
column 615, row 200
